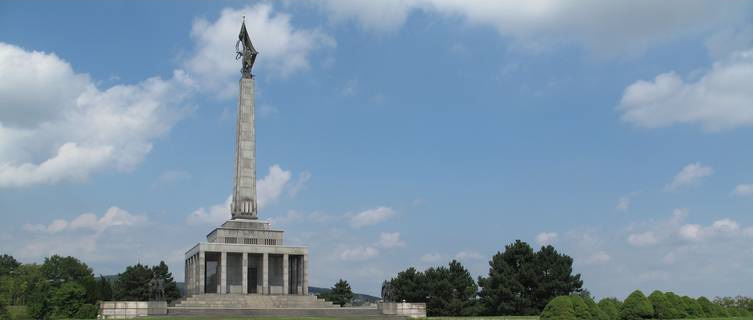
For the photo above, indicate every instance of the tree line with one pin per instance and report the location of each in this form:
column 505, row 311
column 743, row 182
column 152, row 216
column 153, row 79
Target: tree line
column 521, row 281
column 65, row 287
column 658, row 305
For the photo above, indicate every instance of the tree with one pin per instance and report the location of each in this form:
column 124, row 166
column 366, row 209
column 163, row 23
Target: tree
column 62, row 269
column 133, row 283
column 103, row 290
column 554, row 276
column 522, row 282
column 7, row 264
column 409, row 285
column 662, row 307
column 68, row 299
column 37, row 298
column 340, row 294
column 581, row 308
column 4, row 314
column 161, row 271
column 559, row 308
column 611, row 307
column 636, row 307
column 451, row 290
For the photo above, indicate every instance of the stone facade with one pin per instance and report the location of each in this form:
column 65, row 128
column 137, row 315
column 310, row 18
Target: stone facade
column 246, row 257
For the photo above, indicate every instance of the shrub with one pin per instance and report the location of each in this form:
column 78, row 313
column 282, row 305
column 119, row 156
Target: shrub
column 594, row 310
column 581, row 308
column 706, row 306
column 4, row 314
column 662, row 308
column 677, row 306
column 38, row 300
column 610, row 307
column 559, row 308
column 68, row 299
column 692, row 308
column 636, row 307
column 87, row 311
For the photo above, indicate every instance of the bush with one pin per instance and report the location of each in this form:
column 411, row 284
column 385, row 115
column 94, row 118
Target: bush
column 707, row 307
column 4, row 314
column 662, row 308
column 87, row 311
column 68, row 299
column 692, row 308
column 38, row 300
column 636, row 307
column 559, row 308
column 610, row 307
column 594, row 310
column 581, row 308
column 677, row 306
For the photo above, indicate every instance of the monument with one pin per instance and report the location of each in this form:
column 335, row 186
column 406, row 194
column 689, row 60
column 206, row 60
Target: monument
column 245, row 255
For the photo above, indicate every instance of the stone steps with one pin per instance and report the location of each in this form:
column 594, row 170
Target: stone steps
column 355, row 313
column 252, row 301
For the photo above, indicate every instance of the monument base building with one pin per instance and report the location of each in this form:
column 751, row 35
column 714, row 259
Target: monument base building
column 246, row 257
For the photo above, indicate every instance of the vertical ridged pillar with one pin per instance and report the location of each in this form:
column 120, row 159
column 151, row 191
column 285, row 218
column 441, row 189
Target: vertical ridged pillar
column 244, row 193
column 285, row 280
column 265, row 274
column 202, row 272
column 223, row 272
column 244, row 272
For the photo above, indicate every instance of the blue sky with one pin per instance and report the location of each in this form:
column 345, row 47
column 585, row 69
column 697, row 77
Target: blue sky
column 389, row 134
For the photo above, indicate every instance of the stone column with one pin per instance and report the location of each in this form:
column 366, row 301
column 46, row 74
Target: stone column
column 265, row 274
column 186, row 279
column 244, row 273
column 305, row 267
column 285, row 280
column 223, row 273
column 202, row 272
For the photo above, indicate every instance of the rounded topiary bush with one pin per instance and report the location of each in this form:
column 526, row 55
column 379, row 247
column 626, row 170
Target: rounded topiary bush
column 692, row 308
column 662, row 307
column 610, row 307
column 677, row 308
column 594, row 310
column 581, row 308
column 559, row 308
column 636, row 307
column 87, row 311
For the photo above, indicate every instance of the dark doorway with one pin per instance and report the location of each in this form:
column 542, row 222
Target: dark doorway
column 253, row 281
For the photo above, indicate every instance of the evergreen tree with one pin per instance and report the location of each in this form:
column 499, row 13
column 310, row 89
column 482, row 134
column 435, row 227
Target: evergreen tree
column 451, row 290
column 559, row 308
column 133, row 284
column 521, row 282
column 161, row 271
column 611, row 307
column 340, row 294
column 409, row 285
column 636, row 307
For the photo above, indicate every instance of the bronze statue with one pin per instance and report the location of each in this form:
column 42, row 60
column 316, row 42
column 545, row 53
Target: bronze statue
column 245, row 50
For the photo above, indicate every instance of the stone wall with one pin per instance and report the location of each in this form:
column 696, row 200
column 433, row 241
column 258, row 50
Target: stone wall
column 131, row 309
column 405, row 309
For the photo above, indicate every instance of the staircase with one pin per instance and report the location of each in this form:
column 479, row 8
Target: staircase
column 266, row 305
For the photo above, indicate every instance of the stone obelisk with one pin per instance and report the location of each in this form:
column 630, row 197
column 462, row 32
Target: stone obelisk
column 244, row 205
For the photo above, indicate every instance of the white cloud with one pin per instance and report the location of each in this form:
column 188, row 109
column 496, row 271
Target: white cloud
column 57, row 125
column 642, row 239
column 690, row 175
column 624, row 202
column 719, row 99
column 300, row 183
column 729, row 40
column 271, row 186
column 719, row 228
column 171, row 177
column 358, row 253
column 283, row 48
column 469, row 255
column 546, row 238
column 744, row 190
column 112, row 218
column 291, row 217
column 268, row 190
column 371, row 217
column 597, row 258
column 605, row 28
column 431, row 258
column 389, row 240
